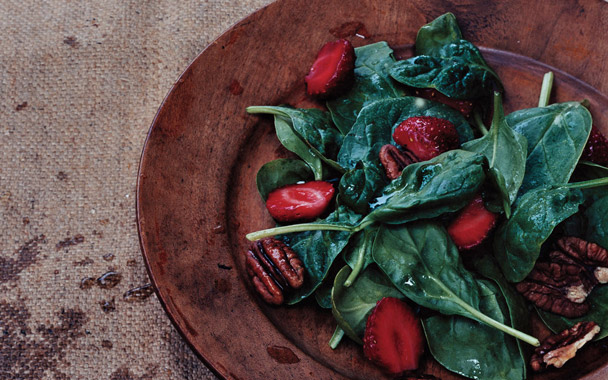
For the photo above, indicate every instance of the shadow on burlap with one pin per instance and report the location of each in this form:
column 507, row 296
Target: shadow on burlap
column 81, row 83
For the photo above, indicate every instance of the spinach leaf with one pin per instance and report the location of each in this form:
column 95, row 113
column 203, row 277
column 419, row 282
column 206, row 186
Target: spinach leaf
column 318, row 250
column 282, row 172
column 598, row 313
column 597, row 222
column 359, row 185
column 518, row 241
column 309, row 133
column 473, row 349
column 293, row 143
column 519, row 316
column 459, row 72
column 376, row 122
column 436, row 34
column 373, row 129
column 424, row 264
column 506, row 151
column 358, row 254
column 323, row 294
column 372, row 82
column 352, row 305
column 428, row 189
column 556, row 137
column 447, row 63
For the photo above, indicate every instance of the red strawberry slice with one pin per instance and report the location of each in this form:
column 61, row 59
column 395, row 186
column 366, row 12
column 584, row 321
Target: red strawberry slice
column 596, row 149
column 393, row 336
column 300, row 202
column 333, row 70
column 465, row 107
column 472, row 225
column 426, row 136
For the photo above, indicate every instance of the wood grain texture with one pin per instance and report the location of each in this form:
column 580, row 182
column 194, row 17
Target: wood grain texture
column 196, row 189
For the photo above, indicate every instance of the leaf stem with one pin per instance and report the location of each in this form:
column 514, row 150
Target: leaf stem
column 479, row 122
column 267, row 110
column 336, row 337
column 303, row 227
column 499, row 326
column 545, row 91
column 359, row 265
column 588, row 184
column 499, row 113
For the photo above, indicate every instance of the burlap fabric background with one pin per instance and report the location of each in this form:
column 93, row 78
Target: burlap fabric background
column 80, row 82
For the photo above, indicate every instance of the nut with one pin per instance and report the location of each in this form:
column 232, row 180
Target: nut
column 274, row 269
column 588, row 255
column 395, row 160
column 557, row 288
column 558, row 349
column 562, row 285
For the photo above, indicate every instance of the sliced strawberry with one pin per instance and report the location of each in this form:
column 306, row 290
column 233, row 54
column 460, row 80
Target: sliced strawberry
column 426, row 136
column 472, row 225
column 465, row 107
column 300, row 202
column 596, row 149
column 333, row 71
column 393, row 336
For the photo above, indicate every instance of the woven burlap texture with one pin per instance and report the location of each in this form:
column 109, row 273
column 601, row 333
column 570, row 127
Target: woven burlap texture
column 81, row 82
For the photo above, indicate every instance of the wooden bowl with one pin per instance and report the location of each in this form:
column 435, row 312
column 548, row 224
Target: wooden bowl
column 196, row 193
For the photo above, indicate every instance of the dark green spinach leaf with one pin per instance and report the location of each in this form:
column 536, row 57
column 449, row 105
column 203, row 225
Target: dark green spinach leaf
column 428, row 189
column 519, row 315
column 282, row 172
column 447, row 63
column 473, row 349
column 318, row 250
column 372, row 82
column 424, row 264
column 353, row 304
column 359, row 185
column 518, row 241
column 433, row 36
column 309, row 133
column 506, row 151
column 376, row 122
column 556, row 136
column 455, row 73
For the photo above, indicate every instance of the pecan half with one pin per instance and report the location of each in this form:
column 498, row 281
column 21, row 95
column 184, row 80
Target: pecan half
column 557, row 288
column 562, row 285
column 558, row 349
column 274, row 268
column 395, row 160
column 588, row 255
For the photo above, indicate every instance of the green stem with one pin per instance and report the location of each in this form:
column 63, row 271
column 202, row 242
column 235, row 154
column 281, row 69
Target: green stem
column 545, row 91
column 303, row 227
column 588, row 184
column 336, row 337
column 479, row 123
column 497, row 325
column 267, row 110
column 499, row 113
column 593, row 165
column 358, row 266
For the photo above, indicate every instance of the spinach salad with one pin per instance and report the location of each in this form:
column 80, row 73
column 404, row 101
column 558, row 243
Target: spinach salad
column 387, row 238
